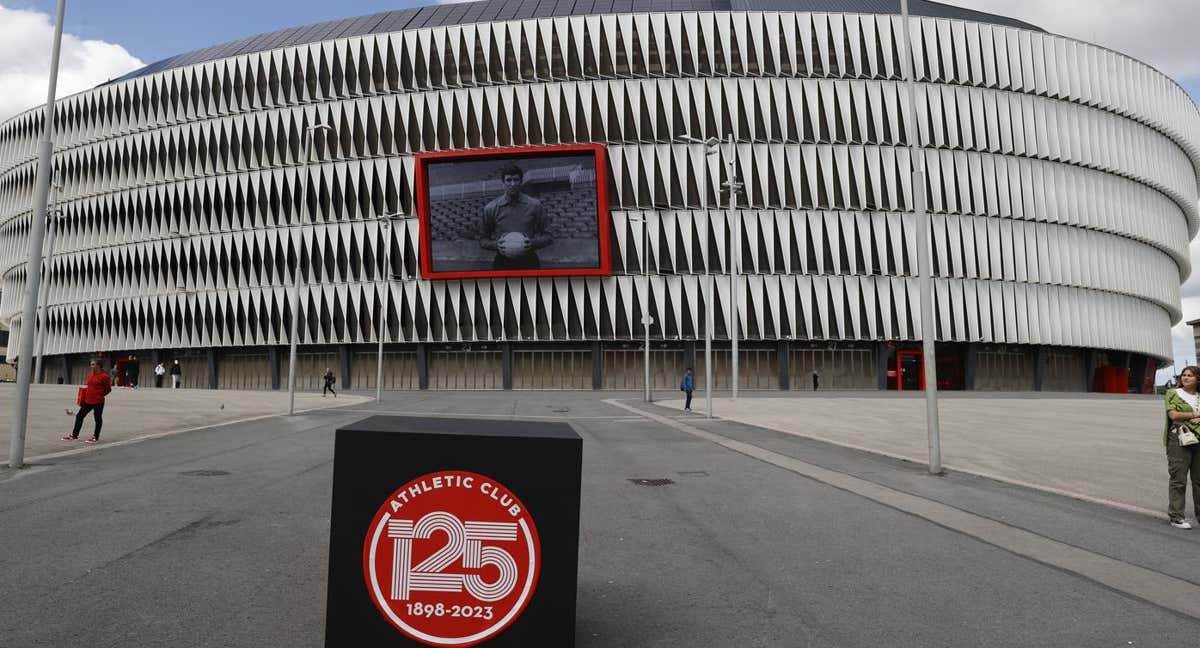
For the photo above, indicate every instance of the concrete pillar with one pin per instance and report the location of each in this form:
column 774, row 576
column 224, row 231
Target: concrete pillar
column 1039, row 367
column 970, row 366
column 689, row 354
column 422, row 365
column 506, row 364
column 211, row 356
column 1089, row 369
column 597, row 365
column 881, row 366
column 344, row 364
column 65, row 359
column 273, row 363
column 785, row 370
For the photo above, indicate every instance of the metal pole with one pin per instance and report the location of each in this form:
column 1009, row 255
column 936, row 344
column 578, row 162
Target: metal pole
column 387, row 273
column 307, row 146
column 924, row 263
column 646, row 301
column 710, row 285
column 734, row 258
column 43, row 307
column 712, row 147
column 37, row 235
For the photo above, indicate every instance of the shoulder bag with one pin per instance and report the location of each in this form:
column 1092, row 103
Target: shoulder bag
column 1185, row 434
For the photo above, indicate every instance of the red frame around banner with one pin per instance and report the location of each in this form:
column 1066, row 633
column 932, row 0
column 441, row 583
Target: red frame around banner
column 602, row 221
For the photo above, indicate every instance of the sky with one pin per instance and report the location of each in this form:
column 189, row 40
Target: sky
column 107, row 38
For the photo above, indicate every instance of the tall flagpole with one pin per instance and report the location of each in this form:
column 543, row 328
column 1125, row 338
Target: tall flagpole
column 33, row 266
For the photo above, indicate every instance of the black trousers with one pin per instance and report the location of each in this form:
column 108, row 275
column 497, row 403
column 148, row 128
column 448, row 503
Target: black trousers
column 328, row 388
column 688, row 404
column 528, row 261
column 1182, row 460
column 98, row 411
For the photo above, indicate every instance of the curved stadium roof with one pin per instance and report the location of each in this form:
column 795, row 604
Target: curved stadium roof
column 497, row 10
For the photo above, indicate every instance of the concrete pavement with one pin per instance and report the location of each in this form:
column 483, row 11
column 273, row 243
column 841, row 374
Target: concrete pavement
column 219, row 538
column 1106, row 447
column 135, row 413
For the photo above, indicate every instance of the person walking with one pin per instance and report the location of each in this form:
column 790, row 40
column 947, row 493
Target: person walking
column 159, row 372
column 132, row 371
column 99, row 384
column 687, row 386
column 176, row 375
column 329, row 380
column 816, row 376
column 1183, row 448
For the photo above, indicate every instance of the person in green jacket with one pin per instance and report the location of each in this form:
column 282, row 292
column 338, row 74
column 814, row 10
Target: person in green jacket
column 1183, row 407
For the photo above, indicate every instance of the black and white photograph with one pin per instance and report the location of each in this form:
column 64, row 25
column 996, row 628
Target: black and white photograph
column 517, row 213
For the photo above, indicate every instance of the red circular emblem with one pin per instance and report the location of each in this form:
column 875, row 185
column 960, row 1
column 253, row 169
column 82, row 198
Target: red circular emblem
column 452, row 558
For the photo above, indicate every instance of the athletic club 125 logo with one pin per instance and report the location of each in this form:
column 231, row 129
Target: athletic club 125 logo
column 452, row 558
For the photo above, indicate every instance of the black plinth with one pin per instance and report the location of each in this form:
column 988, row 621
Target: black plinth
column 487, row 526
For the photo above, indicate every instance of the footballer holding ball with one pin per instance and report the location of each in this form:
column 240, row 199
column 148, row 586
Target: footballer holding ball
column 514, row 225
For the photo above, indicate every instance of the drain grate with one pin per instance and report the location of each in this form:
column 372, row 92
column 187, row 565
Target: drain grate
column 205, row 473
column 652, row 482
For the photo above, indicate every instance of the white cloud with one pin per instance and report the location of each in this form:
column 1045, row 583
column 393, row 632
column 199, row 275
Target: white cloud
column 25, row 61
column 1183, row 347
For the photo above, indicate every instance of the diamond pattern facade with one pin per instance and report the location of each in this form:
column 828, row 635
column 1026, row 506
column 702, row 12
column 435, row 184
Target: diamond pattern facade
column 1062, row 183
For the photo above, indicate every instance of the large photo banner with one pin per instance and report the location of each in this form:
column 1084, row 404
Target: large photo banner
column 513, row 212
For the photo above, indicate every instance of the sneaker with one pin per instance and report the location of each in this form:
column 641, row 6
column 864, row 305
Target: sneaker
column 1181, row 524
column 68, row 437
column 92, row 440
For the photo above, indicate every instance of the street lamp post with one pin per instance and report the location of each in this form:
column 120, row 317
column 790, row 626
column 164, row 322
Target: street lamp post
column 735, row 254
column 385, row 222
column 924, row 263
column 710, row 288
column 647, row 319
column 713, row 148
column 33, row 266
column 307, row 146
column 43, row 315
column 385, row 226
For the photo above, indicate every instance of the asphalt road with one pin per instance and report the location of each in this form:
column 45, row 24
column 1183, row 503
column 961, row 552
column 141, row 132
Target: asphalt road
column 219, row 538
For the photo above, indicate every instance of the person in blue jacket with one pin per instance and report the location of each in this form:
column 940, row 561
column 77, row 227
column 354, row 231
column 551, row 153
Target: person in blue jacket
column 687, row 386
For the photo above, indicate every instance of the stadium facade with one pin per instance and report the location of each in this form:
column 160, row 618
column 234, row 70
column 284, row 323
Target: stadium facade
column 1061, row 181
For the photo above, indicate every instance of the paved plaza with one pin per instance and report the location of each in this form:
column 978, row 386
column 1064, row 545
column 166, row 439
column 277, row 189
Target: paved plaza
column 1096, row 445
column 761, row 538
column 137, row 413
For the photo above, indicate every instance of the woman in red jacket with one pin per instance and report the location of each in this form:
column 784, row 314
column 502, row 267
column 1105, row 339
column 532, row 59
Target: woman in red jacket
column 98, row 386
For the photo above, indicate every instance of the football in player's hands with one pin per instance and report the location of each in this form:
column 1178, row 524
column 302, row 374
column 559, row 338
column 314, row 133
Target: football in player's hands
column 513, row 244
